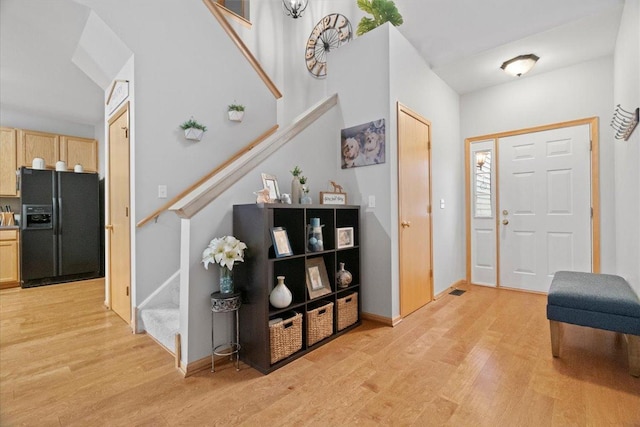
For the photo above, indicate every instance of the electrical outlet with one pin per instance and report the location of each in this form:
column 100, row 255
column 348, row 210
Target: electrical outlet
column 441, row 203
column 162, row 191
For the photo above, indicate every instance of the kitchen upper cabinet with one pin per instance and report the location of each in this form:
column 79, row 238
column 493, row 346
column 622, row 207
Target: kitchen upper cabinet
column 51, row 147
column 32, row 144
column 8, row 162
column 75, row 150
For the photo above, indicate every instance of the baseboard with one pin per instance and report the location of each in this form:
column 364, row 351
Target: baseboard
column 201, row 365
column 387, row 321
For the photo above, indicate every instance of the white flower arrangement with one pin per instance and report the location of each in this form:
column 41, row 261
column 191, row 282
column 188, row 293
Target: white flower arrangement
column 225, row 251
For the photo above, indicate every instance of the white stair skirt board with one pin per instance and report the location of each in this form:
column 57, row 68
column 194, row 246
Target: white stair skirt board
column 162, row 323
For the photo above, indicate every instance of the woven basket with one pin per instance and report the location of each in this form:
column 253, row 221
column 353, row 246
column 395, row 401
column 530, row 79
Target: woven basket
column 347, row 310
column 285, row 337
column 319, row 323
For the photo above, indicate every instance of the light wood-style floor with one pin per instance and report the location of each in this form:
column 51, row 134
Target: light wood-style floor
column 480, row 359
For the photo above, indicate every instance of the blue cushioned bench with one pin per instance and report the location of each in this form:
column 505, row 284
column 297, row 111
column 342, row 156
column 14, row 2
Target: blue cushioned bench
column 601, row 301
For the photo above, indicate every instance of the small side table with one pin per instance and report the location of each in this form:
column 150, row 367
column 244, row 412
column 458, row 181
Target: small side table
column 225, row 303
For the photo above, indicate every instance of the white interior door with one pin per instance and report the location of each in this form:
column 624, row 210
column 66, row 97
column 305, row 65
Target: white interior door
column 545, row 206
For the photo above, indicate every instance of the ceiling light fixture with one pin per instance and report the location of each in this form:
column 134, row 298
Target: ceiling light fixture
column 294, row 8
column 520, row 64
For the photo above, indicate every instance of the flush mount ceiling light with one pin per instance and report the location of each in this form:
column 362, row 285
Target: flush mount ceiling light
column 294, row 8
column 520, row 64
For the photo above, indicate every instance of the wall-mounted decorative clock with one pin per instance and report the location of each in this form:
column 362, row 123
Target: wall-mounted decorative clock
column 330, row 33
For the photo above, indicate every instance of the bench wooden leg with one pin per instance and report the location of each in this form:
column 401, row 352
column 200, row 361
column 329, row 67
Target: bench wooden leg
column 556, row 337
column 633, row 349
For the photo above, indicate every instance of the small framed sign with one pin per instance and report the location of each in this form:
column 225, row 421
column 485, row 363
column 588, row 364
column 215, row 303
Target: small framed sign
column 281, row 245
column 327, row 198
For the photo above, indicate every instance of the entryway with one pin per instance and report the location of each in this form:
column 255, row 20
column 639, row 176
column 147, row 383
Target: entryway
column 532, row 205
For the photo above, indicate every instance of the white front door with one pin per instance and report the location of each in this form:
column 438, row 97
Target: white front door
column 544, row 206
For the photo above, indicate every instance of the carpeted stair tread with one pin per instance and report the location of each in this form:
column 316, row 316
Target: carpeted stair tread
column 162, row 322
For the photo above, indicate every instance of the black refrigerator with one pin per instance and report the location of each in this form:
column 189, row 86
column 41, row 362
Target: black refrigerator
column 60, row 227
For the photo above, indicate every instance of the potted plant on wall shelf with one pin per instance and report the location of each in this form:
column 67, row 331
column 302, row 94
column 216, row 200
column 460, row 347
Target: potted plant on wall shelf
column 193, row 130
column 236, row 112
column 382, row 11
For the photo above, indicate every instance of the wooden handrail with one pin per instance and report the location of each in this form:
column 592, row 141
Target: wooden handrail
column 204, row 194
column 232, row 159
column 213, row 7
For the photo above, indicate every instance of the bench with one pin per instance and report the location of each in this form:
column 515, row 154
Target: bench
column 601, row 301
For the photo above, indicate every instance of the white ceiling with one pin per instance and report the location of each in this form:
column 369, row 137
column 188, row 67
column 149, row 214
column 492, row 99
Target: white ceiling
column 464, row 41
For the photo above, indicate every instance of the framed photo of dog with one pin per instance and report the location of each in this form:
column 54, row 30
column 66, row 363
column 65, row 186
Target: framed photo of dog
column 363, row 145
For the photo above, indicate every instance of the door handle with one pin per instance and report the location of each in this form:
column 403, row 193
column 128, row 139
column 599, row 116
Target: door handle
column 405, row 224
column 505, row 221
column 108, row 227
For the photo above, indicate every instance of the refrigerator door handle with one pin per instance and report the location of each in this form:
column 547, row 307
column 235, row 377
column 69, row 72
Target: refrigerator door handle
column 56, row 254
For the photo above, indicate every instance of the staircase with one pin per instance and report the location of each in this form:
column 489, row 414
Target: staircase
column 159, row 314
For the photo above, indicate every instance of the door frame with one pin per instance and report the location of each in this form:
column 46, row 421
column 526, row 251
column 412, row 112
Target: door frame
column 125, row 108
column 401, row 108
column 595, row 187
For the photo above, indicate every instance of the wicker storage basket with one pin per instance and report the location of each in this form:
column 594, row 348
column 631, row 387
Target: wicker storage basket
column 319, row 323
column 347, row 310
column 285, row 338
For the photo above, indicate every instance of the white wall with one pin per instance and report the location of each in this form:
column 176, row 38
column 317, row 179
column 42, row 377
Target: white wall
column 626, row 91
column 400, row 75
column 579, row 91
column 185, row 65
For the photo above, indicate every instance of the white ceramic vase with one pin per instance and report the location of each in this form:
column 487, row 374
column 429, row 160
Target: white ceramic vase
column 280, row 296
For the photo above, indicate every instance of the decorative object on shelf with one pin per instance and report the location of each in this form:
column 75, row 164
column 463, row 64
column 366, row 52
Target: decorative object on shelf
column 193, row 130
column 236, row 112
column 329, row 198
column 285, row 198
column 281, row 245
column 61, row 166
column 314, row 236
column 363, row 145
column 343, row 277
column 519, row 65
column 225, row 251
column 624, row 122
column 382, row 11
column 344, row 237
column 271, row 182
column 330, row 33
column 280, row 296
column 263, row 195
column 78, row 168
column 296, row 187
column 294, row 8
column 305, row 199
column 317, row 278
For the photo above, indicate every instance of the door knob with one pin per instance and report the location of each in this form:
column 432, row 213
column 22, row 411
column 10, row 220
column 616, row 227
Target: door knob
column 505, row 221
column 108, row 227
column 505, row 212
column 405, row 224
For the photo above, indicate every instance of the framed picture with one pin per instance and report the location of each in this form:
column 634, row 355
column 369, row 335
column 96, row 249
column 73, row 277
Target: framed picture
column 327, row 198
column 344, row 237
column 317, row 278
column 281, row 245
column 271, row 182
column 363, row 145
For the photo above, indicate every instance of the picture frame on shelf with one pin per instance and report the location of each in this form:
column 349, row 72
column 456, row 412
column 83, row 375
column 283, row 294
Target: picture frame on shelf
column 271, row 182
column 344, row 237
column 281, row 245
column 329, row 198
column 317, row 278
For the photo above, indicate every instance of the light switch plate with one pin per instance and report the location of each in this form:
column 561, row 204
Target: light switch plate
column 162, row 191
column 372, row 201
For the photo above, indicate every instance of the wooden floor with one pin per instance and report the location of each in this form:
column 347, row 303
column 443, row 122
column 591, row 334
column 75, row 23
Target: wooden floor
column 479, row 359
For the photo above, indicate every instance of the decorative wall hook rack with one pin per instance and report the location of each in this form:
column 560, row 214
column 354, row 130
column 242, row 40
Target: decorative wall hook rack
column 624, row 122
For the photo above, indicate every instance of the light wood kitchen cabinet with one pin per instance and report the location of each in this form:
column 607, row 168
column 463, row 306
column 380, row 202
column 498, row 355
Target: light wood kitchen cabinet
column 51, row 147
column 9, row 259
column 8, row 162
column 32, row 144
column 75, row 150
